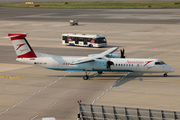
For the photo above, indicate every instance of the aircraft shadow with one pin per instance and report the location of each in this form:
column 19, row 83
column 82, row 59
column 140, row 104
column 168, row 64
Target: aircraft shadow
column 80, row 25
column 132, row 76
column 122, row 79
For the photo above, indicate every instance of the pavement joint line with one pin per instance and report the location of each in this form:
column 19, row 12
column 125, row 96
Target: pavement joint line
column 83, row 83
column 34, row 117
column 110, row 88
column 33, row 95
column 52, row 104
column 69, row 93
column 96, row 74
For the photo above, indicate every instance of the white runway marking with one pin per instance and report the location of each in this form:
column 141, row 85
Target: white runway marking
column 96, row 74
column 33, row 94
column 52, row 104
column 120, row 79
column 110, row 88
column 69, row 93
column 34, row 117
column 83, row 83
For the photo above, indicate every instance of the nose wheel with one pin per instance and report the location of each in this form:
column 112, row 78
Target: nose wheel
column 165, row 75
column 86, row 77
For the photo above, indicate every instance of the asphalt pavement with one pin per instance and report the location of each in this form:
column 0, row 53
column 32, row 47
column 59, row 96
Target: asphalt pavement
column 137, row 16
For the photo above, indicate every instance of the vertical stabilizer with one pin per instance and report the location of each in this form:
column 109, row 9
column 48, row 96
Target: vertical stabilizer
column 21, row 46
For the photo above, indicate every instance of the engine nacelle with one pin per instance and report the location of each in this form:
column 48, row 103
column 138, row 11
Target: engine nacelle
column 108, row 56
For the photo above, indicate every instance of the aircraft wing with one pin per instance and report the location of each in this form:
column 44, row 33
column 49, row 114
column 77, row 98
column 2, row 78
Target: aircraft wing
column 91, row 59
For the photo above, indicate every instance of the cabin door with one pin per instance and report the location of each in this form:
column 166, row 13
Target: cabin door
column 85, row 41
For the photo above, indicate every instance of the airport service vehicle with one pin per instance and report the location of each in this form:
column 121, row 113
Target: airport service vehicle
column 84, row 40
column 73, row 22
column 105, row 61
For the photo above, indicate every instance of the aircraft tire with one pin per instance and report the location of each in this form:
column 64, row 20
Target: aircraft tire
column 86, row 77
column 165, row 75
column 100, row 72
column 90, row 45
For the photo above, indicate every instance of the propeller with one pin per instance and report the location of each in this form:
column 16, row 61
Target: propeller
column 109, row 63
column 122, row 53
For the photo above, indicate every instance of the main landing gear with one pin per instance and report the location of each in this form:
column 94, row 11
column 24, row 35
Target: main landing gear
column 86, row 77
column 100, row 72
column 165, row 75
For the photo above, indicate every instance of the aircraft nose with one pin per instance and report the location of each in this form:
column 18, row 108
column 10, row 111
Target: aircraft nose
column 169, row 69
column 172, row 70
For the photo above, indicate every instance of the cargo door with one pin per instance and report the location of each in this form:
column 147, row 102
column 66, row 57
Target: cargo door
column 138, row 67
column 60, row 64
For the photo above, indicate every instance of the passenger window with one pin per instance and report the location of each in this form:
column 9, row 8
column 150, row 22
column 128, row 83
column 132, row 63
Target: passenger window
column 89, row 39
column 132, row 64
column 80, row 39
column 64, row 37
column 129, row 64
column 73, row 38
column 126, row 64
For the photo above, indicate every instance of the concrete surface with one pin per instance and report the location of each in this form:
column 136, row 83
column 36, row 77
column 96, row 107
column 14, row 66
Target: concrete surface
column 29, row 92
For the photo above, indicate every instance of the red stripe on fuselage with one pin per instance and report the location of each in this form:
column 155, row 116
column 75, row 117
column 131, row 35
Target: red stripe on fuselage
column 148, row 62
column 30, row 54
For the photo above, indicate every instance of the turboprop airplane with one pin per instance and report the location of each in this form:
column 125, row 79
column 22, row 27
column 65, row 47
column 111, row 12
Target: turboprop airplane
column 105, row 61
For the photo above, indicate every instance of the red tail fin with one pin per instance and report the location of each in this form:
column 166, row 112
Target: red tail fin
column 21, row 46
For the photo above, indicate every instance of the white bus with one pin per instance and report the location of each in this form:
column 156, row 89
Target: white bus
column 84, row 40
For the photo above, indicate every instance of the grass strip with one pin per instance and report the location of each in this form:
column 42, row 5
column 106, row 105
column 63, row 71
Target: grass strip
column 99, row 5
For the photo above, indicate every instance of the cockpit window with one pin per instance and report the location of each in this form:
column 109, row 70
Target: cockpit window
column 159, row 63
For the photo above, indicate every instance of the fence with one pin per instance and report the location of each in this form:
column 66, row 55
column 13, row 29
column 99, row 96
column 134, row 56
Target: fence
column 100, row 112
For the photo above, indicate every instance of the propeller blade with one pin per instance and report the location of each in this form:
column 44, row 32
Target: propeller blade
column 122, row 53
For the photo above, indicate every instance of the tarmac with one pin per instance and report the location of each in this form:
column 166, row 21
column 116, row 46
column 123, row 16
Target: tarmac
column 30, row 92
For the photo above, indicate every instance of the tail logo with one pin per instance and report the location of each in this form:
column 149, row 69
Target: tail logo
column 20, row 45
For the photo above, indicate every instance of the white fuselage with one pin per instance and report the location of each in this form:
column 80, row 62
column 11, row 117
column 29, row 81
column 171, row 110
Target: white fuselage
column 120, row 64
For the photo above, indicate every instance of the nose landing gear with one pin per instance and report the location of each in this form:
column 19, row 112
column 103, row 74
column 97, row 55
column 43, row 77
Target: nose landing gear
column 165, row 75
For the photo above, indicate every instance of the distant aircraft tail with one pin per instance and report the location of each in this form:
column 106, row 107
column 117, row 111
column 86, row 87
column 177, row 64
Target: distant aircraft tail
column 21, row 46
